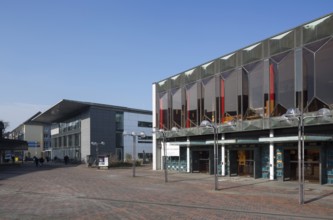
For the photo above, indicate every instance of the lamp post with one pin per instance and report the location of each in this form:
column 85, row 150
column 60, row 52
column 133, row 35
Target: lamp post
column 134, row 135
column 208, row 124
column 96, row 144
column 165, row 167
column 162, row 131
column 296, row 113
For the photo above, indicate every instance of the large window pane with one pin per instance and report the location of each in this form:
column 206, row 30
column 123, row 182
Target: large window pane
column 317, row 63
column 208, row 99
column 308, row 76
column 177, row 108
column 229, row 94
column 192, row 105
column 163, row 111
column 282, row 79
column 324, row 74
column 254, row 77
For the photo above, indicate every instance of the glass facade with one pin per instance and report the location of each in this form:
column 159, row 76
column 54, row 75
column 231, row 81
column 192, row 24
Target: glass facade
column 68, row 139
column 290, row 70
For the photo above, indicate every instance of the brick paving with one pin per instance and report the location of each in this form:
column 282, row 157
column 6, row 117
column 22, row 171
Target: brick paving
column 56, row 191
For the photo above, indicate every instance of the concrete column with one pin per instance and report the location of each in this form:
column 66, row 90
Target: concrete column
column 271, row 157
column 162, row 155
column 188, row 156
column 155, row 160
column 223, row 156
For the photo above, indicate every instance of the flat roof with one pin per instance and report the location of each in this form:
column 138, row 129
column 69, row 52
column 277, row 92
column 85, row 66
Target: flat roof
column 66, row 109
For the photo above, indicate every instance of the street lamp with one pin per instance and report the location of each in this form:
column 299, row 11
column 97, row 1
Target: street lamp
column 296, row 113
column 163, row 132
column 96, row 144
column 208, row 124
column 165, row 167
column 134, row 135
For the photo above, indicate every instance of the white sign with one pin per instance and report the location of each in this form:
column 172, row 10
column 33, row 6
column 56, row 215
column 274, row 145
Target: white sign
column 103, row 161
column 172, row 150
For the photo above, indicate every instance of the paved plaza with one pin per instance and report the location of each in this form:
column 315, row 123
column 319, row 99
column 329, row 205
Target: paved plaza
column 56, row 191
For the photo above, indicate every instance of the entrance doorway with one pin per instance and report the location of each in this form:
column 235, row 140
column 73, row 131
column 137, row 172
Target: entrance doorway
column 242, row 163
column 200, row 161
column 311, row 165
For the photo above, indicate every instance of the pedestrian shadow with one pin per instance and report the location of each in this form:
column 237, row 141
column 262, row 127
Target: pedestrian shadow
column 318, row 198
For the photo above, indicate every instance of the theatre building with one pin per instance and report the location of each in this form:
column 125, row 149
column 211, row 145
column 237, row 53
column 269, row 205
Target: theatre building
column 267, row 107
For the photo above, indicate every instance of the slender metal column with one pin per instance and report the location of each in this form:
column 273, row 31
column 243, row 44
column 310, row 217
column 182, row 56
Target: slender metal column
column 134, row 152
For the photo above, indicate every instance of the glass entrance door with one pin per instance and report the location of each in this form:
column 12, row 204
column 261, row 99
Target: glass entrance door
column 200, row 161
column 245, row 163
column 311, row 165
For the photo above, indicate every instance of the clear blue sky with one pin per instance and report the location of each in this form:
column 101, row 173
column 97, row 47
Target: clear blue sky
column 111, row 51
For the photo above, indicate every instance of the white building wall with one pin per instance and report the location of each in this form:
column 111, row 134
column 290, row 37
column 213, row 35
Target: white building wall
column 34, row 133
column 131, row 124
column 85, row 138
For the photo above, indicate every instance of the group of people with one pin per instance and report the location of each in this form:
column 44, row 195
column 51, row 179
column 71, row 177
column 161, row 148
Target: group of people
column 39, row 161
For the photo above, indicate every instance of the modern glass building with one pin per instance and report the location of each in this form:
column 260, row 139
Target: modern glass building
column 249, row 95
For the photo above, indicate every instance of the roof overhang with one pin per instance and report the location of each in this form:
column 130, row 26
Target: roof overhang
column 9, row 144
column 61, row 111
column 66, row 109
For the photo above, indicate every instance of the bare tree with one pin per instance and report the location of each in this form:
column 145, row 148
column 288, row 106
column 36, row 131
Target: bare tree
column 3, row 125
column 6, row 125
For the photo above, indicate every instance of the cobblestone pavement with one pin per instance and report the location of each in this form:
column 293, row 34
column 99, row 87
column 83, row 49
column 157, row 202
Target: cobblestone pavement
column 56, row 191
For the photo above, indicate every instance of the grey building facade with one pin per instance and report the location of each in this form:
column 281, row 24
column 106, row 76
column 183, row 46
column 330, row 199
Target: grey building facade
column 75, row 125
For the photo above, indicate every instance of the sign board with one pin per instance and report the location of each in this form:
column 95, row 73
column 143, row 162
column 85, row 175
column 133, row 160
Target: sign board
column 172, row 150
column 103, row 161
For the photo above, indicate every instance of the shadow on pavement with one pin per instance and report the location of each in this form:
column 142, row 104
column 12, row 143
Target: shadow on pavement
column 8, row 171
column 318, row 198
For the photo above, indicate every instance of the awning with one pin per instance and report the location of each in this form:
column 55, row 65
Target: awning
column 220, row 142
column 188, row 143
column 235, row 141
column 295, row 139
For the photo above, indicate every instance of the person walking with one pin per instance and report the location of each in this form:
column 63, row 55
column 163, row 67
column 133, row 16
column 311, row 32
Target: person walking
column 66, row 158
column 41, row 161
column 36, row 161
